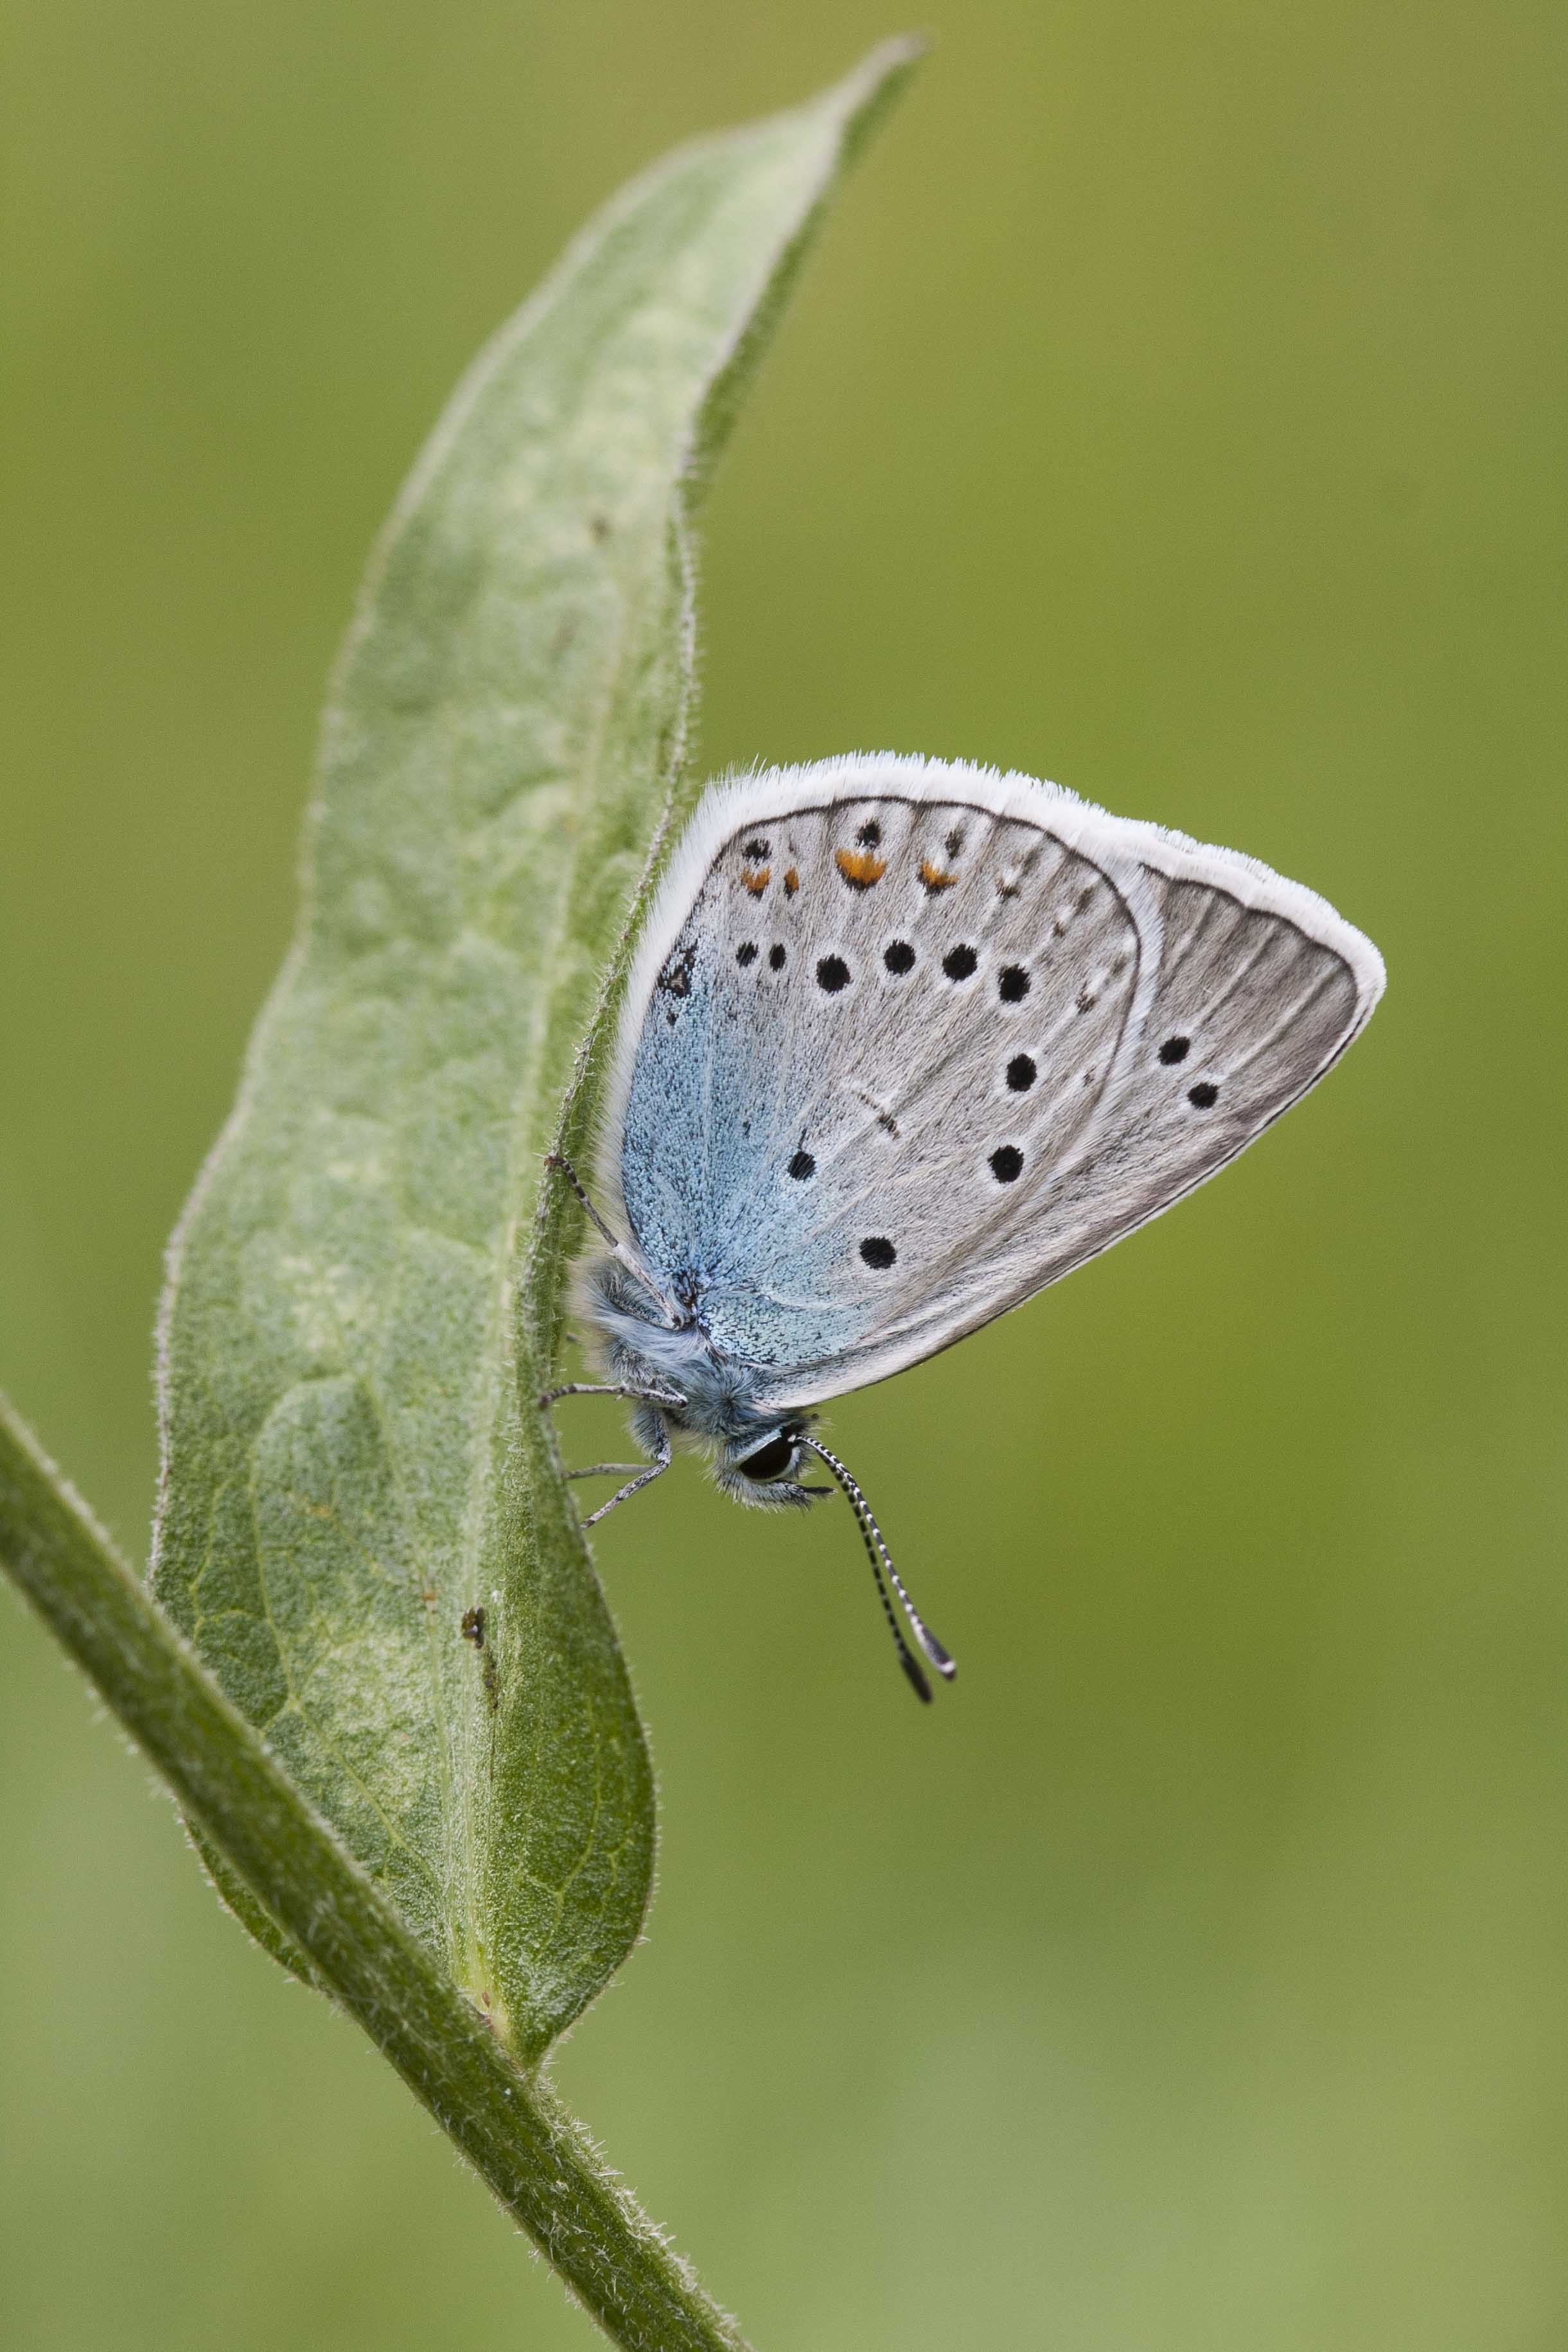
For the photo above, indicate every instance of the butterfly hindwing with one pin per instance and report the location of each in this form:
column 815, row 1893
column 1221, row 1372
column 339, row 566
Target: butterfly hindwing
column 908, row 1055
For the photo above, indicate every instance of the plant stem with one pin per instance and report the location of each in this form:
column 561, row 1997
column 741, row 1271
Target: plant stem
column 507, row 2123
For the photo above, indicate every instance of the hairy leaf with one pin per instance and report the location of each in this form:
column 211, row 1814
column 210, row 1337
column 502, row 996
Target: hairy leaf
column 283, row 1866
column 366, row 1289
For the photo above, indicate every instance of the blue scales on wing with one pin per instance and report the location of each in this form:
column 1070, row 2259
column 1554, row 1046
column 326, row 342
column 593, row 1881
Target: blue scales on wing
column 908, row 1059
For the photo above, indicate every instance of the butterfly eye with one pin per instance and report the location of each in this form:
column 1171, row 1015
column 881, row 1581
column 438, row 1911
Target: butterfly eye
column 770, row 1459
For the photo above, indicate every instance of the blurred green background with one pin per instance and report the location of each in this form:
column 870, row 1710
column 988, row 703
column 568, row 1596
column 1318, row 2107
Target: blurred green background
column 1174, row 408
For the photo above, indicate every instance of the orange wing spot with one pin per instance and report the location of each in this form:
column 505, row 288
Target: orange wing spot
column 860, row 867
column 934, row 876
column 757, row 879
column 791, row 883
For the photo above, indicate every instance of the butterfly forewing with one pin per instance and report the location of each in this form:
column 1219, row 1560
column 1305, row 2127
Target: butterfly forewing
column 906, row 1059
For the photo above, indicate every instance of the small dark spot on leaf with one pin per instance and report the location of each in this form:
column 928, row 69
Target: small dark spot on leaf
column 832, row 973
column 1175, row 1049
column 878, row 1250
column 1007, row 1164
column 958, row 963
column 1203, row 1096
column 474, row 1627
column 899, row 958
column 802, row 1166
column 600, row 526
column 1021, row 1073
column 1013, row 985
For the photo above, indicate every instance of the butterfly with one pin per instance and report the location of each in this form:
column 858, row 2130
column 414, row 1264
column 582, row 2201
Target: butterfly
column 903, row 1041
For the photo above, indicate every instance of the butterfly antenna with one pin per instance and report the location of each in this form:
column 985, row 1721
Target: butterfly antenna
column 881, row 1560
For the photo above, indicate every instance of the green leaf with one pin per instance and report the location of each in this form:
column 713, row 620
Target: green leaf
column 291, row 1874
column 366, row 1291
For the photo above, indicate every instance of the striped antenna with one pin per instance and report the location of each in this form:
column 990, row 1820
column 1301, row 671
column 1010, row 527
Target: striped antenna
column 880, row 1559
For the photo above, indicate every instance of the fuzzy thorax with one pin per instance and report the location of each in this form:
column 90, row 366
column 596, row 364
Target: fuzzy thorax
column 640, row 1340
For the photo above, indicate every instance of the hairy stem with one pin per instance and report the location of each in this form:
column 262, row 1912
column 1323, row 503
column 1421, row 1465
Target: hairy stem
column 507, row 2123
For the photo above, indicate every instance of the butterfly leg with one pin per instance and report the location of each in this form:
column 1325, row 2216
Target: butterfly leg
column 627, row 1254
column 558, row 1163
column 602, row 1469
column 616, row 1389
column 656, row 1469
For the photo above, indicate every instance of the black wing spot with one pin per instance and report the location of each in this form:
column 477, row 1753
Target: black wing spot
column 832, row 973
column 878, row 1251
column 1175, row 1049
column 746, row 954
column 899, row 958
column 1013, row 985
column 1007, row 1164
column 1087, row 999
column 755, row 848
column 955, row 841
column 1203, row 1096
column 1021, row 1073
column 775, row 959
column 802, row 1166
column 870, row 834
column 675, row 980
column 959, row 963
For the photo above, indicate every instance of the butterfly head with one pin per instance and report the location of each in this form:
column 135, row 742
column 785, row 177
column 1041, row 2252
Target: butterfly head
column 760, row 1466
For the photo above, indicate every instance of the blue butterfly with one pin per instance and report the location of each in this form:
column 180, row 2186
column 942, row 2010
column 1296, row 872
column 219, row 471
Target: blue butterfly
column 905, row 1041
